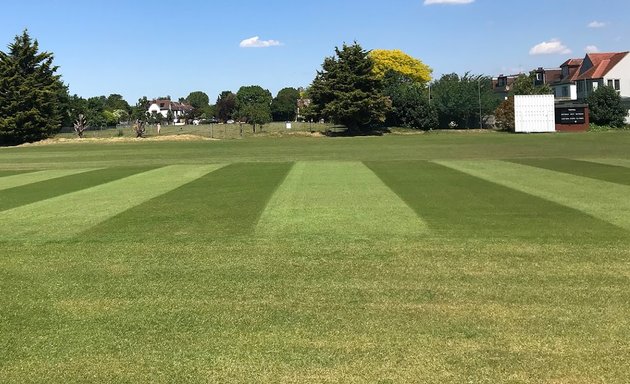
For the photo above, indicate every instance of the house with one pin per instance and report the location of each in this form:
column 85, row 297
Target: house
column 503, row 83
column 546, row 76
column 599, row 69
column 565, row 87
column 163, row 106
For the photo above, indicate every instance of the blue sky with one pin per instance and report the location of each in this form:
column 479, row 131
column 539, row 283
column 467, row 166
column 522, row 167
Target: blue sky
column 157, row 48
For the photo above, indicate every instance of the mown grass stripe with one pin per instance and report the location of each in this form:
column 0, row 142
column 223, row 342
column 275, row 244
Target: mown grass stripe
column 601, row 199
column 615, row 162
column 606, row 172
column 30, row 193
column 459, row 205
column 5, row 173
column 34, row 177
column 340, row 199
column 64, row 216
column 226, row 203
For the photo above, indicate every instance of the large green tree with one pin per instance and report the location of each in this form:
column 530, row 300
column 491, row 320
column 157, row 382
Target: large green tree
column 225, row 106
column 253, row 94
column 253, row 104
column 410, row 103
column 200, row 102
column 31, row 93
column 606, row 107
column 116, row 102
column 284, row 105
column 347, row 92
column 198, row 99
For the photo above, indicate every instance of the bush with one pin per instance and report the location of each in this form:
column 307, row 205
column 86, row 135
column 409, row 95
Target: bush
column 504, row 115
column 606, row 107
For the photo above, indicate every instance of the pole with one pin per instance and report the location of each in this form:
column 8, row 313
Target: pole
column 480, row 117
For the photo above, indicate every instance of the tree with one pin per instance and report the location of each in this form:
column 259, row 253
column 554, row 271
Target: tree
column 524, row 85
column 504, row 115
column 80, row 125
column 255, row 114
column 225, row 106
column 139, row 128
column 116, row 102
column 410, row 103
column 253, row 94
column 284, row 105
column 460, row 100
column 139, row 111
column 399, row 62
column 347, row 92
column 208, row 112
column 30, row 93
column 409, row 98
column 606, row 107
column 111, row 120
column 253, row 104
column 198, row 99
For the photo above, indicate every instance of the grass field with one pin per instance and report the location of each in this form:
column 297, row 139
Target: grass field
column 438, row 258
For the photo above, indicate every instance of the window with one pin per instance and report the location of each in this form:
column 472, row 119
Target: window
column 610, row 83
column 595, row 85
column 501, row 82
column 565, row 91
column 539, row 76
column 617, row 85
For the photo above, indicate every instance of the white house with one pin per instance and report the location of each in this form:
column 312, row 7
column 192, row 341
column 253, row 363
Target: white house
column 599, row 69
column 163, row 106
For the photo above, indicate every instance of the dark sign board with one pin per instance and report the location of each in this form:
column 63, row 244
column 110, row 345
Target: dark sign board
column 570, row 115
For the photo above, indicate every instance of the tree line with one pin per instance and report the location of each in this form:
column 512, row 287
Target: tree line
column 359, row 89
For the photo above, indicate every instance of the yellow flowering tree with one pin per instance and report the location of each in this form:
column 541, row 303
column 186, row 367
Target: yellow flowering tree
column 398, row 61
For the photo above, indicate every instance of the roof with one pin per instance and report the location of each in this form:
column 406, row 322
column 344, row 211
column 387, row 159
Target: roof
column 553, row 75
column 602, row 63
column 572, row 63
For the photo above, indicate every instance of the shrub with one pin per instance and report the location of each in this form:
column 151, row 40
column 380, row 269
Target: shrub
column 606, row 107
column 504, row 115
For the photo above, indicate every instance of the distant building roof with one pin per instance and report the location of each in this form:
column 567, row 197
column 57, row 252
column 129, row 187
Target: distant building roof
column 597, row 65
column 167, row 104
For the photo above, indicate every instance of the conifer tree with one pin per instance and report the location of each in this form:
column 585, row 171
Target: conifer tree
column 347, row 92
column 30, row 93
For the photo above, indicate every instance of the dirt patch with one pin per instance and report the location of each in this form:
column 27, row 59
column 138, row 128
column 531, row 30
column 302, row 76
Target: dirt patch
column 74, row 140
column 292, row 134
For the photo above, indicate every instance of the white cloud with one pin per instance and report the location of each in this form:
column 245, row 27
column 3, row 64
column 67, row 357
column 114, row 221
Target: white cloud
column 591, row 49
column 255, row 42
column 431, row 2
column 596, row 24
column 551, row 47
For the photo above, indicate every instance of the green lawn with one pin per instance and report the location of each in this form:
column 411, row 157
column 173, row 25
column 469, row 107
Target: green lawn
column 437, row 258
